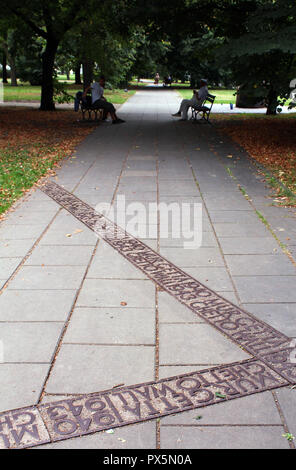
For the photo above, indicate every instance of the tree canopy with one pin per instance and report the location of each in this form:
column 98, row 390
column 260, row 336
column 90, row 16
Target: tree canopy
column 248, row 43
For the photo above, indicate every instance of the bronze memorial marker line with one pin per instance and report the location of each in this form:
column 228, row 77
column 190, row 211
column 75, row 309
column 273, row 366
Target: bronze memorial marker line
column 87, row 414
column 270, row 367
column 256, row 337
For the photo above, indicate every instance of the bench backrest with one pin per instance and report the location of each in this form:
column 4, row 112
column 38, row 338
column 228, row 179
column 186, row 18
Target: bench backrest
column 210, row 98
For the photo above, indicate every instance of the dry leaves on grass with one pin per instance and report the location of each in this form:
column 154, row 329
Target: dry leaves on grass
column 24, row 128
column 31, row 143
column 271, row 141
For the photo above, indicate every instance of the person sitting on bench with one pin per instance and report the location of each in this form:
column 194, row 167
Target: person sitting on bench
column 196, row 101
column 99, row 102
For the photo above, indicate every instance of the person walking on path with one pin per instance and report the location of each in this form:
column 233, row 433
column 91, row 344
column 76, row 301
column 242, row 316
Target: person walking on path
column 100, row 102
column 196, row 101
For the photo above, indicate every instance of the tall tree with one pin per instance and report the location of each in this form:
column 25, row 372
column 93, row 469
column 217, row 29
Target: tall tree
column 4, row 68
column 263, row 54
column 49, row 19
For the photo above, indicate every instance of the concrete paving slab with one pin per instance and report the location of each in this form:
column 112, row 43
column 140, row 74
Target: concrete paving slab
column 39, row 205
column 66, row 230
column 111, row 326
column 137, row 436
column 108, row 264
column 249, row 246
column 20, row 232
column 172, row 311
column 215, row 278
column 260, row 265
column 244, row 217
column 196, row 344
column 171, row 371
column 234, row 230
column 30, row 217
column 111, row 293
column 192, row 258
column 175, row 188
column 227, row 202
column 15, row 248
column 30, row 376
column 281, row 316
column 287, row 401
column 36, row 305
column 223, row 437
column 8, row 266
column 266, row 289
column 48, row 277
column 86, row 369
column 60, row 256
column 229, row 295
column 251, row 410
column 29, row 342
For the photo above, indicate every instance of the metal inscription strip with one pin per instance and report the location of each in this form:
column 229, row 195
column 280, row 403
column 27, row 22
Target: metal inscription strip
column 255, row 336
column 92, row 413
column 22, row 428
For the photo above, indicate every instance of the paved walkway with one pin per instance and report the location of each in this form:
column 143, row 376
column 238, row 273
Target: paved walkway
column 218, row 108
column 77, row 318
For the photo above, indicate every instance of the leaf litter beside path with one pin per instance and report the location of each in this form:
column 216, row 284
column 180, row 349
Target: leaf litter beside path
column 32, row 142
column 271, row 141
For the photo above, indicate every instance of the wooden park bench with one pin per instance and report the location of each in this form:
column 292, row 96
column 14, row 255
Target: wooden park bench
column 203, row 110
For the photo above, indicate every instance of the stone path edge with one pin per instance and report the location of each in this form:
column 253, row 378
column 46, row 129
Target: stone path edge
column 253, row 335
column 95, row 412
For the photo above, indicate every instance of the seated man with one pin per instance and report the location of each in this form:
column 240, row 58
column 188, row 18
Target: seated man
column 99, row 102
column 196, row 101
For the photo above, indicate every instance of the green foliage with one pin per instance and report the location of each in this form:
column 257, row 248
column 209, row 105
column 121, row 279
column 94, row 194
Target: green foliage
column 61, row 95
column 262, row 56
column 18, row 172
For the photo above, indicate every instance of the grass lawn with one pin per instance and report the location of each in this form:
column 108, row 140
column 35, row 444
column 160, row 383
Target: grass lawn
column 222, row 96
column 271, row 141
column 32, row 142
column 33, row 93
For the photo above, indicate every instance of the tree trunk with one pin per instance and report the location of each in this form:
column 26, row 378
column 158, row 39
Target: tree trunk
column 47, row 89
column 87, row 73
column 11, row 62
column 4, row 69
column 13, row 78
column 68, row 74
column 272, row 102
column 77, row 75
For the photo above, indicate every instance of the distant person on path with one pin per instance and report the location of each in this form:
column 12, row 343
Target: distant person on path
column 156, row 79
column 196, row 101
column 167, row 81
column 99, row 102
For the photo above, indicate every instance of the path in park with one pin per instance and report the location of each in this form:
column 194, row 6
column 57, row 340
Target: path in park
column 76, row 317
